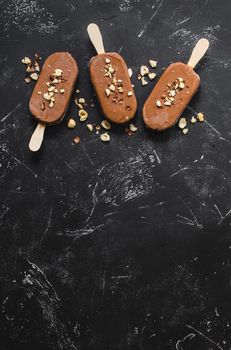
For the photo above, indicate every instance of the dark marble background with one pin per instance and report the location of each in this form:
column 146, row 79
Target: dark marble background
column 123, row 245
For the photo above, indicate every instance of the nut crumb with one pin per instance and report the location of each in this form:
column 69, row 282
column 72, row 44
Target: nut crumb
column 193, row 120
column 132, row 127
column 130, row 72
column 107, row 60
column 77, row 139
column 82, row 100
column 62, row 91
column 27, row 80
column 130, row 93
column 90, row 127
column 185, row 131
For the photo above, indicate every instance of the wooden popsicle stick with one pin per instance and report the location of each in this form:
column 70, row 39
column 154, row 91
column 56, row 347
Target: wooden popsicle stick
column 96, row 37
column 37, row 137
column 198, row 52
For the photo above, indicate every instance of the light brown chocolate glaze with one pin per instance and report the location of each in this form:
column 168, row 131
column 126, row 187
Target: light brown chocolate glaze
column 163, row 118
column 58, row 60
column 116, row 112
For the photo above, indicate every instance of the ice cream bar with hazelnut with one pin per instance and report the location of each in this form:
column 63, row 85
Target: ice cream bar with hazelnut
column 52, row 93
column 111, row 81
column 174, row 90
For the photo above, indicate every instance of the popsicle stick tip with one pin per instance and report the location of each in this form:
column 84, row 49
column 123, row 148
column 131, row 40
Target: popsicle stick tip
column 37, row 138
column 198, row 52
column 96, row 37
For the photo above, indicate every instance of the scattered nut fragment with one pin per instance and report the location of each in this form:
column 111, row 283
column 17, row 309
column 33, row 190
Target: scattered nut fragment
column 34, row 76
column 81, row 100
column 71, row 123
column 58, row 73
column 83, row 115
column 105, row 124
column 144, row 70
column 132, row 127
column 51, row 88
column 130, row 72
column 143, row 81
column 26, row 60
column 130, row 93
column 77, row 91
column 105, row 137
column 167, row 103
column 181, row 85
column 62, row 91
column 39, row 92
column 153, row 63
column 200, row 117
column 193, row 120
column 77, row 139
column 51, row 104
column 90, row 127
column 172, row 93
column 182, row 123
column 47, row 96
column 151, row 76
column 185, row 131
column 112, row 87
column 158, row 103
column 27, row 80
column 108, row 60
column 120, row 89
column 108, row 92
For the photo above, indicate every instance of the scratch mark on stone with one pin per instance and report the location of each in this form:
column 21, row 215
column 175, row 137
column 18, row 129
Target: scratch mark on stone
column 180, row 170
column 157, row 157
column 85, row 151
column 48, row 224
column 159, row 3
column 205, row 337
column 24, row 165
column 11, row 112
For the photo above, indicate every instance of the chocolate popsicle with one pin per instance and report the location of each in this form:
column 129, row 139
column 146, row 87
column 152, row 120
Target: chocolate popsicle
column 52, row 93
column 111, row 81
column 174, row 90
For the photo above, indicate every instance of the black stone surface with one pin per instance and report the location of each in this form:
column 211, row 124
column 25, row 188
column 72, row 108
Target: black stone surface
column 123, row 245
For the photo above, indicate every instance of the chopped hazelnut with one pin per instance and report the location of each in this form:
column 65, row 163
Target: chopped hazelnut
column 62, row 91
column 108, row 92
column 112, row 87
column 26, row 60
column 130, row 72
column 83, row 115
column 193, row 120
column 105, row 137
column 71, row 123
column 47, row 96
column 182, row 123
column 81, row 100
column 106, row 125
column 151, row 76
column 77, row 139
column 153, row 63
column 130, row 93
column 185, row 131
column 200, row 117
column 144, row 70
column 108, row 60
column 158, row 103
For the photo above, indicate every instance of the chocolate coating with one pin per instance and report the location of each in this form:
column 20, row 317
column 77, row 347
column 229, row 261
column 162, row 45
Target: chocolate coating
column 65, row 62
column 163, row 118
column 117, row 112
